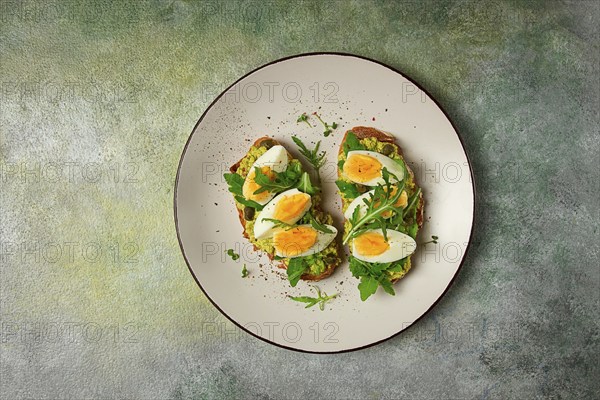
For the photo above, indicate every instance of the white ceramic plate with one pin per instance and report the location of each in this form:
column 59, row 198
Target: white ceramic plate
column 352, row 91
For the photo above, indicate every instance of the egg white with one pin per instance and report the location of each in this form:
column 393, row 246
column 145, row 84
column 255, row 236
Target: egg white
column 265, row 229
column 323, row 240
column 392, row 166
column 275, row 158
column 401, row 246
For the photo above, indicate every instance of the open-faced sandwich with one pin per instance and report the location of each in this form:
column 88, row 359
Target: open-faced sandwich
column 383, row 207
column 280, row 212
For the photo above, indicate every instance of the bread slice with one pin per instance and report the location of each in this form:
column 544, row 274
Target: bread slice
column 365, row 132
column 316, row 209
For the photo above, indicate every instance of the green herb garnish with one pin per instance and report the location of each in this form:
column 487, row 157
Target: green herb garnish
column 380, row 201
column 348, row 189
column 305, row 185
column 434, row 240
column 317, row 225
column 311, row 219
column 304, row 118
column 412, row 202
column 316, row 159
column 296, row 268
column 244, row 271
column 321, row 299
column 249, row 203
column 328, row 128
column 279, row 224
column 373, row 275
column 234, row 256
column 352, row 143
column 281, row 181
column 236, row 182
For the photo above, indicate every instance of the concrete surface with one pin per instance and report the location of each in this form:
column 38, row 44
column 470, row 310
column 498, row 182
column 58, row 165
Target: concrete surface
column 98, row 99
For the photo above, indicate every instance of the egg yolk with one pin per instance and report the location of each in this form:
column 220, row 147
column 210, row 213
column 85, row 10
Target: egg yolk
column 295, row 241
column 362, row 168
column 370, row 244
column 250, row 186
column 290, row 208
column 401, row 202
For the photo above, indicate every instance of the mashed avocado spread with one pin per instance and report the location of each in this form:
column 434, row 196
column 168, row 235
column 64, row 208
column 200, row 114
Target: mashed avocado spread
column 318, row 262
column 372, row 144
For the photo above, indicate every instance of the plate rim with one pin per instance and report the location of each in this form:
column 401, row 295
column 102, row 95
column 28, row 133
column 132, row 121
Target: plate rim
column 310, row 54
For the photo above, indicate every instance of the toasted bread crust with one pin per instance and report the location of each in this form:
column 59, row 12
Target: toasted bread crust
column 365, row 132
column 307, row 277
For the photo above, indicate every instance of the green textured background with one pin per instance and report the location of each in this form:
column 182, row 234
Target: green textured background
column 98, row 99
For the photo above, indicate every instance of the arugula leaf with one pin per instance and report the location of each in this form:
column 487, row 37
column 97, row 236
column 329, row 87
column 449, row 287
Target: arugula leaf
column 380, row 201
column 397, row 266
column 244, row 271
column 355, row 217
column 356, row 214
column 357, row 268
column 373, row 275
column 352, row 143
column 386, row 284
column 396, row 222
column 321, row 299
column 367, row 286
column 304, row 185
column 296, row 268
column 317, row 225
column 378, row 268
column 412, row 230
column 316, row 159
column 278, row 223
column 403, row 165
column 414, row 199
column 249, row 203
column 235, row 182
column 305, row 299
column 282, row 181
column 348, row 189
column 380, row 222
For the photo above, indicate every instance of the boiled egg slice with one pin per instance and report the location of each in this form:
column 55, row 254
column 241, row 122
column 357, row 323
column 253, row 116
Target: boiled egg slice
column 365, row 167
column 302, row 240
column 371, row 246
column 274, row 160
column 287, row 207
column 360, row 202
